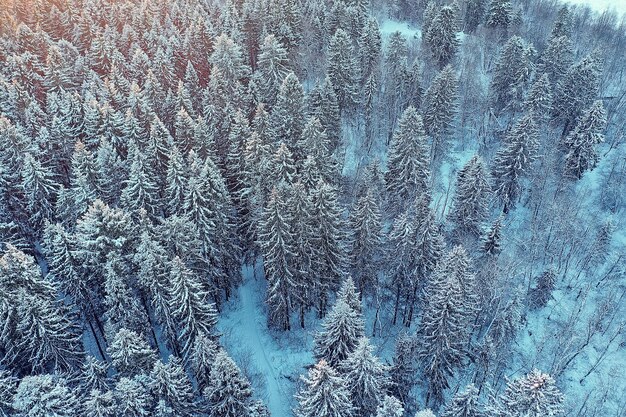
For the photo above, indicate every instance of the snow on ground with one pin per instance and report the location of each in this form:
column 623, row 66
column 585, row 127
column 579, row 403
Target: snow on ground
column 602, row 5
column 272, row 363
column 387, row 27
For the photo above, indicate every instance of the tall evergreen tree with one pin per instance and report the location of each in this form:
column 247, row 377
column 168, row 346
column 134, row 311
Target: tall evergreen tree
column 439, row 108
column 229, row 393
column 341, row 330
column 580, row 143
column 533, row 395
column 512, row 72
column 325, row 394
column 343, row 70
column 464, row 404
column 441, row 36
column 471, row 197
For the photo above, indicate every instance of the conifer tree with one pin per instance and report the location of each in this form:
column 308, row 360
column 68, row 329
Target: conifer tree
column 329, row 228
column 440, row 106
column 130, row 353
column 511, row 74
column 176, row 182
column 408, row 162
column 474, row 14
column 99, row 404
column 169, row 383
column 44, row 396
column 343, row 70
column 8, row 386
column 390, row 407
column 189, row 303
column 341, row 330
column 445, row 325
column 542, row 292
column 132, row 397
column 140, row 192
column 441, row 36
column 403, row 368
column 580, row 143
column 464, row 404
column 93, row 375
column 499, row 14
column 283, row 167
column 533, row 395
column 38, row 186
column 538, row 101
column 325, row 394
column 556, row 59
column 492, row 239
column 577, row 91
column 325, row 106
column 471, row 198
column 123, row 309
column 201, row 359
column 366, row 242
column 514, row 159
column 272, row 68
column 287, row 119
column 229, row 393
column 366, row 378
column 276, row 240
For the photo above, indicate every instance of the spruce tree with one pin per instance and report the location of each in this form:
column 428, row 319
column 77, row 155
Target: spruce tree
column 538, row 101
column 556, row 59
column 499, row 14
column 325, row 394
column 514, row 159
column 343, row 70
column 511, row 74
column 471, row 197
column 464, row 404
column 390, row 407
column 169, row 383
column 580, row 143
column 533, row 395
column 408, row 161
column 44, row 396
column 99, row 404
column 440, row 107
column 341, row 330
column 441, row 36
column 366, row 378
column 492, row 238
column 130, row 354
column 287, row 118
column 272, row 68
column 229, row 393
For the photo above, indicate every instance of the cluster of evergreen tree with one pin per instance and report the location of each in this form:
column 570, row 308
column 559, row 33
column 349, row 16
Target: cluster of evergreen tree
column 151, row 148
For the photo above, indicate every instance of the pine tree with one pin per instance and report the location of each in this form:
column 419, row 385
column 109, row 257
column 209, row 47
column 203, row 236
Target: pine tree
column 499, row 14
column 580, row 143
column 390, row 407
column 38, row 186
column 366, row 246
column 556, row 59
column 325, row 106
column 464, row 404
column 445, row 325
column 229, row 393
column 341, row 330
column 343, row 70
column 441, row 36
column 408, row 162
column 538, row 101
column 542, row 292
column 169, row 383
column 533, row 395
column 272, row 68
column 44, row 396
column 176, row 181
column 93, row 375
column 277, row 244
column 366, row 378
column 329, row 228
column 140, row 191
column 577, row 91
column 492, row 239
column 403, row 368
column 283, row 167
column 201, row 359
column 8, row 386
column 132, row 397
column 189, row 303
column 514, row 159
column 511, row 74
column 325, row 394
column 130, row 353
column 314, row 143
column 287, row 119
column 440, row 106
column 474, row 15
column 471, row 198
column 123, row 309
column 99, row 404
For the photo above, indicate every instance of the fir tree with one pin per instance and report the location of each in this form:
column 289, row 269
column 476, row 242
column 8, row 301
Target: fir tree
column 325, row 394
column 341, row 330
column 132, row 397
column 474, row 14
column 366, row 378
column 580, row 143
column 408, row 168
column 471, row 197
column 542, row 292
column 538, row 101
column 287, row 119
column 556, row 59
column 44, row 396
column 343, row 70
column 492, row 239
column 390, row 407
column 99, row 404
column 229, row 393
column 169, row 383
column 189, row 303
column 499, row 14
column 441, row 36
column 514, row 159
column 403, row 368
column 440, row 106
column 512, row 72
column 464, row 404
column 130, row 353
column 272, row 68
column 533, row 395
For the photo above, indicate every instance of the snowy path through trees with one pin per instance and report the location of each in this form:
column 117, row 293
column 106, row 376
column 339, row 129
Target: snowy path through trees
column 244, row 328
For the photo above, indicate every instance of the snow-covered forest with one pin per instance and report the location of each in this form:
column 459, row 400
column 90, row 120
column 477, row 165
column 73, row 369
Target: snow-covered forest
column 312, row 208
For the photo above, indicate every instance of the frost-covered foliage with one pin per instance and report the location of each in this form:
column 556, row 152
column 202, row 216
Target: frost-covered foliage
column 420, row 201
